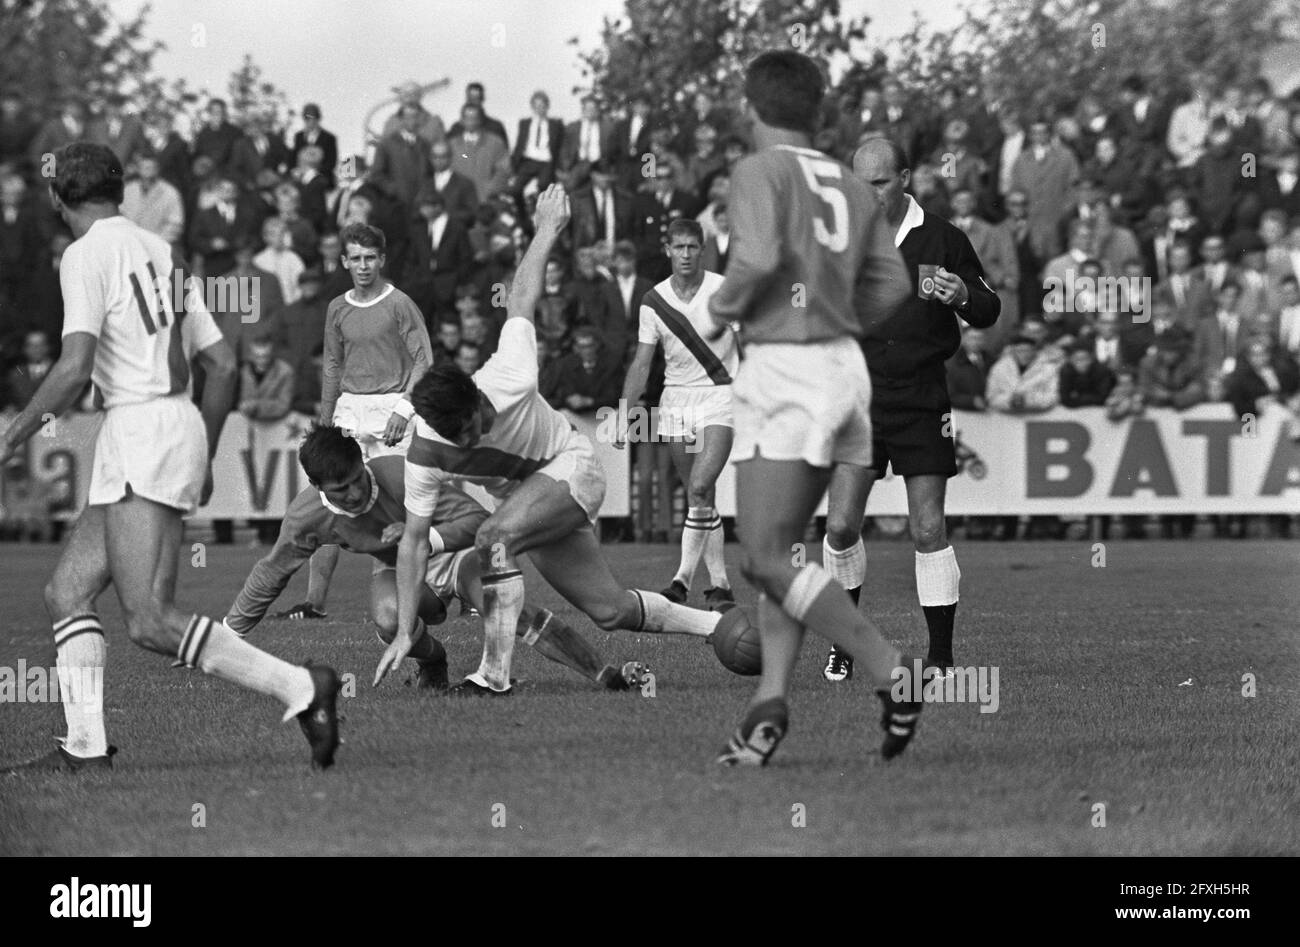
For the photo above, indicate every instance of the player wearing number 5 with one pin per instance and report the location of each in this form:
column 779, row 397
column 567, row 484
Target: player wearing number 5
column 810, row 251
column 910, row 411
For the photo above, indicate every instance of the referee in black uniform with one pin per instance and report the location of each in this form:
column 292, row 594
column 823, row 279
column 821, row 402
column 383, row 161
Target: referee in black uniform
column 906, row 350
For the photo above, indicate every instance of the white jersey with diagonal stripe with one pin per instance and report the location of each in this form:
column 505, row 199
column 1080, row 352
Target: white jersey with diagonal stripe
column 684, row 367
column 117, row 286
column 526, row 435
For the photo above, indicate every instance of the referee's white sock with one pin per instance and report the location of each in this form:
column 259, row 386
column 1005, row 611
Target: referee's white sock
column 937, row 577
column 657, row 614
column 80, row 656
column 695, row 535
column 215, row 649
column 503, row 600
column 848, row 567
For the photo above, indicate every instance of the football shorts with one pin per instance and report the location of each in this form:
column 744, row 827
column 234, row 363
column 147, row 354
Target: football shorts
column 364, row 417
column 684, row 411
column 441, row 574
column 809, row 402
column 577, row 468
column 911, row 432
column 155, row 449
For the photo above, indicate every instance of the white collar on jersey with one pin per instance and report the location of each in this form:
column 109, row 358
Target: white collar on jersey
column 913, row 218
column 370, row 504
column 352, row 300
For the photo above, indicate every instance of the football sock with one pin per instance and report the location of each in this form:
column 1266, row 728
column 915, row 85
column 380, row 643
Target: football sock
column 694, row 536
column 556, row 641
column 817, row 602
column 714, row 556
column 660, row 615
column 937, row 581
column 81, row 653
column 215, row 649
column 426, row 647
column 503, row 600
column 847, row 566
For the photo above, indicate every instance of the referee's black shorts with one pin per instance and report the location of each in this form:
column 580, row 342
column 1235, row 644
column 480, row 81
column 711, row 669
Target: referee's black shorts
column 909, row 431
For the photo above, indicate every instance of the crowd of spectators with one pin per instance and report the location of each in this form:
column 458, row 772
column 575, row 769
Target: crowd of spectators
column 1190, row 197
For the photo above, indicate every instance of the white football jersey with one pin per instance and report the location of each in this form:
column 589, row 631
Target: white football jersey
column 683, row 328
column 117, row 286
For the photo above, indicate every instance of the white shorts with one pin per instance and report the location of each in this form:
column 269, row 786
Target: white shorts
column 155, row 449
column 577, row 467
column 441, row 574
column 364, row 417
column 684, row 411
column 809, row 402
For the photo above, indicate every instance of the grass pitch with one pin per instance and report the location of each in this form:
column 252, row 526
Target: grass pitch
column 1120, row 686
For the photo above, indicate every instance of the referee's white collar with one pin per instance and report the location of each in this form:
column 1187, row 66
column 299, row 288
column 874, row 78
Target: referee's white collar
column 913, row 218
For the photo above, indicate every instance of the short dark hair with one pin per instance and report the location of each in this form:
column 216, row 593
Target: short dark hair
column 686, row 226
column 445, row 398
column 86, row 173
column 364, row 235
column 327, row 454
column 221, row 102
column 475, row 85
column 786, row 89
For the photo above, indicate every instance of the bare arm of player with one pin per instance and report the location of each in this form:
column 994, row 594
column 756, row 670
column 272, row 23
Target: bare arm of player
column 638, row 373
column 331, row 368
column 552, row 216
column 412, row 564
column 218, row 363
column 57, row 393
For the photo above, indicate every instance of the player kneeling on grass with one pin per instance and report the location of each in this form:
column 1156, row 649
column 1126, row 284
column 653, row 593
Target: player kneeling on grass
column 495, row 429
column 359, row 507
column 802, row 397
column 153, row 464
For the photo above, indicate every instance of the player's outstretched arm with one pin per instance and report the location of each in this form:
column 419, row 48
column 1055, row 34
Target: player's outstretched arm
column 306, row 516
column 552, row 217
column 412, row 563
column 56, row 394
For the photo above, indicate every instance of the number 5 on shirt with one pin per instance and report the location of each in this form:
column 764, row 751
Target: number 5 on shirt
column 836, row 237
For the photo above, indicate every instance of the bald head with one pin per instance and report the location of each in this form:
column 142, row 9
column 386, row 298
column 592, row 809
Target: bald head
column 882, row 164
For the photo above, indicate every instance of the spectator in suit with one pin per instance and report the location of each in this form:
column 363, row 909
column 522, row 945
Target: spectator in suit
column 18, row 130
column 588, row 378
column 717, row 195
column 557, row 309
column 1065, row 270
column 1288, row 316
column 336, row 279
column 312, row 134
column 1113, row 243
column 469, row 358
column 476, row 328
column 996, row 253
column 1185, row 289
column 1029, row 259
column 43, row 306
column 474, row 95
column 548, row 380
column 716, row 247
column 21, row 243
column 1045, row 171
column 632, row 141
column 1084, row 382
column 215, row 231
column 301, row 236
column 586, row 287
column 601, row 210
column 1220, row 335
column 122, row 133
column 1264, row 379
column 66, row 127
column 440, row 260
column 401, row 162
column 1122, row 177
column 217, row 139
column 616, row 318
column 1024, row 379
column 299, row 328
column 480, row 155
column 704, row 161
column 266, row 383
column 703, row 111
column 968, row 371
column 417, row 119
column 260, row 149
column 458, row 192
column 1141, row 119
column 930, row 191
column 1214, row 269
column 538, row 147
column 1169, row 377
column 254, row 299
column 1125, row 399
column 152, row 203
column 1277, row 187
column 586, row 142
column 1087, row 195
column 25, row 377
column 1215, row 177
column 446, row 341
column 161, row 139
column 651, row 215
column 960, row 165
column 313, row 187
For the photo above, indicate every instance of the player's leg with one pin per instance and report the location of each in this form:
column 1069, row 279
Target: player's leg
column 141, row 537
column 694, row 529
column 575, row 567
column 843, row 554
column 937, row 576
column 81, row 575
column 428, row 652
column 714, row 446
column 551, row 637
column 320, row 572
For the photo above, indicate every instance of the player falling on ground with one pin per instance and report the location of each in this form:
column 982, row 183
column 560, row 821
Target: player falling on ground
column 152, row 465
column 911, row 414
column 358, row 505
column 496, row 430
column 810, row 249
column 375, row 347
column 695, row 409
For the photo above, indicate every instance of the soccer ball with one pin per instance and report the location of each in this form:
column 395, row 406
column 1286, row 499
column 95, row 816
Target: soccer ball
column 735, row 642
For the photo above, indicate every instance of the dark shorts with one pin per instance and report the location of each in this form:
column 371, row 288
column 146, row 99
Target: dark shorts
column 908, row 426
